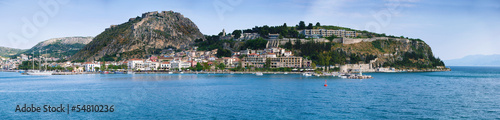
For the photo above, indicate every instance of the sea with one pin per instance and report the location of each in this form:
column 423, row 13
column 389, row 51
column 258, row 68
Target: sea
column 463, row 93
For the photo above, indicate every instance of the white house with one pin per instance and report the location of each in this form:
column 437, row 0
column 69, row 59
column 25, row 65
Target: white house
column 90, row 66
column 271, row 55
column 287, row 53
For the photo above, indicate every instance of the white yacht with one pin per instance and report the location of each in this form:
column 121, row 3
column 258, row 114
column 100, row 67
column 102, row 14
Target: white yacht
column 259, row 73
column 307, row 74
column 38, row 72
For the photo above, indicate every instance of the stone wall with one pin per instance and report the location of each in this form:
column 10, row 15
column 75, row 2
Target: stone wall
column 358, row 40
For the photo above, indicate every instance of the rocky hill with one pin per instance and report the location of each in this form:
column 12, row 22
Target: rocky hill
column 393, row 52
column 142, row 35
column 60, row 47
column 5, row 51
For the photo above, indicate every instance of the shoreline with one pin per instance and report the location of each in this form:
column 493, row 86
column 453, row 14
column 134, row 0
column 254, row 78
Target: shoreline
column 242, row 72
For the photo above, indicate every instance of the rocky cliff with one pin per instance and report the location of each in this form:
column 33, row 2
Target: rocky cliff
column 394, row 52
column 142, row 35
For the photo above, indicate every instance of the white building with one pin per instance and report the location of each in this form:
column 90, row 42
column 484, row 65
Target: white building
column 165, row 66
column 325, row 33
column 270, row 55
column 180, row 64
column 90, row 66
column 149, row 65
column 135, row 63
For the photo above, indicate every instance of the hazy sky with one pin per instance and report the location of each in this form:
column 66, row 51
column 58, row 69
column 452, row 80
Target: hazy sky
column 452, row 28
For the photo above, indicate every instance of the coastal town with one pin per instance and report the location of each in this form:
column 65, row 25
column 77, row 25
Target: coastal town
column 271, row 59
column 152, row 46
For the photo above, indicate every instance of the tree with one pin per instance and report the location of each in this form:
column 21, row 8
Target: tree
column 284, row 25
column 96, row 69
column 268, row 64
column 317, row 24
column 302, row 25
column 310, row 26
column 198, row 67
column 222, row 66
column 223, row 53
column 237, row 33
column 206, row 66
column 288, row 45
column 258, row 43
column 297, row 44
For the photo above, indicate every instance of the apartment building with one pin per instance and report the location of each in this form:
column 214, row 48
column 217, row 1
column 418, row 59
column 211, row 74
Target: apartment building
column 326, row 33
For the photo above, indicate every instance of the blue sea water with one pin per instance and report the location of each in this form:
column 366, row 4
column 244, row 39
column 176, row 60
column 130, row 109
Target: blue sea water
column 464, row 93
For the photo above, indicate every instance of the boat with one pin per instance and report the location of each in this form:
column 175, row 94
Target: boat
column 307, row 74
column 170, row 72
column 343, row 76
column 130, row 72
column 259, row 73
column 286, row 73
column 39, row 72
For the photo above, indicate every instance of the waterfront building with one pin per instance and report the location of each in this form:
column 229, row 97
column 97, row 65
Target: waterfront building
column 165, row 65
column 289, row 62
column 90, row 66
column 135, row 63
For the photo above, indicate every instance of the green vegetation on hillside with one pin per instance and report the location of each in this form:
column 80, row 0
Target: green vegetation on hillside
column 254, row 44
column 57, row 49
column 211, row 42
column 283, row 30
column 223, row 53
column 8, row 52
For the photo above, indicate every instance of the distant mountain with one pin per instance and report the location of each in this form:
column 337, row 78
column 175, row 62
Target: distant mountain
column 475, row 60
column 5, row 51
column 141, row 35
column 60, row 47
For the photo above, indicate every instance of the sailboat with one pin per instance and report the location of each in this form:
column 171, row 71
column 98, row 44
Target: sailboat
column 39, row 72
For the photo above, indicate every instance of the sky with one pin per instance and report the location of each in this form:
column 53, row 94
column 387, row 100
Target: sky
column 453, row 28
